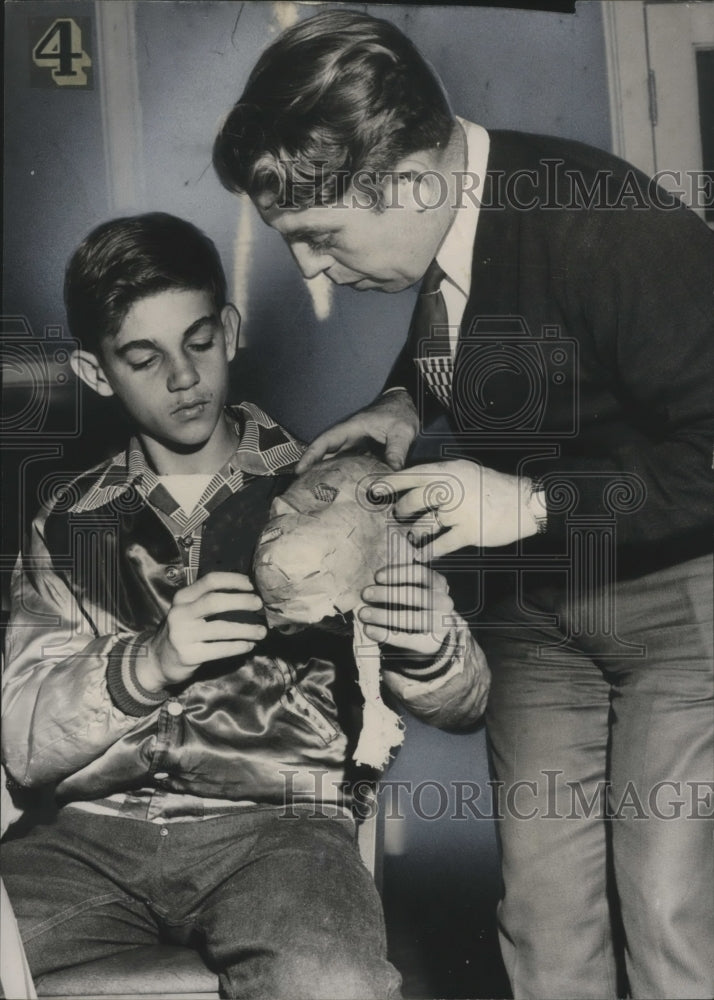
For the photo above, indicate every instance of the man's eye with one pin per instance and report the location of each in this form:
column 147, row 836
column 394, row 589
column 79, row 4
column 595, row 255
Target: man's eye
column 319, row 243
column 203, row 345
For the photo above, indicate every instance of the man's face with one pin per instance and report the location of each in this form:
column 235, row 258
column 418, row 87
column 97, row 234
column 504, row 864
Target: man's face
column 388, row 250
column 168, row 364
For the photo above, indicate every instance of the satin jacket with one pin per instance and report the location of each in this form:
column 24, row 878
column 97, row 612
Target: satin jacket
column 94, row 581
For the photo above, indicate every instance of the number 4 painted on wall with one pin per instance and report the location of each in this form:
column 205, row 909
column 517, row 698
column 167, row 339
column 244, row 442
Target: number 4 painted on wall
column 60, row 49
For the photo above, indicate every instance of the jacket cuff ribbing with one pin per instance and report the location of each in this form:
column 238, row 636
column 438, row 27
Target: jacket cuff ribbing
column 124, row 688
column 451, row 648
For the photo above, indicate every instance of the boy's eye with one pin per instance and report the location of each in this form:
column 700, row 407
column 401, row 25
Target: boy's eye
column 203, row 345
column 137, row 366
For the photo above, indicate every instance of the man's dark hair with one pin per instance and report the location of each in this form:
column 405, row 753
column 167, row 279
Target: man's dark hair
column 124, row 260
column 338, row 94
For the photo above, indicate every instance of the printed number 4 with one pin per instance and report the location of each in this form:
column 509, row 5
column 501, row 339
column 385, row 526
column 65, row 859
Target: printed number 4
column 60, row 49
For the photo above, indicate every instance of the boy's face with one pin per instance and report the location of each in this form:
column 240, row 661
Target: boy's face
column 168, row 364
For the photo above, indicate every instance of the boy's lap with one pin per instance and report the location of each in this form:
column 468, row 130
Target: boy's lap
column 68, row 912
column 297, row 888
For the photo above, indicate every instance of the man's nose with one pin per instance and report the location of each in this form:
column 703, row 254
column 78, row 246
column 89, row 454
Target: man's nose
column 182, row 374
column 310, row 263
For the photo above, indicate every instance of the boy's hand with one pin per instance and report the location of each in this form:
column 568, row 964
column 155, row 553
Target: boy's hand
column 408, row 607
column 185, row 639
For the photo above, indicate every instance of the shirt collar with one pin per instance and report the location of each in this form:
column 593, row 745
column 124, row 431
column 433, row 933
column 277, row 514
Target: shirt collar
column 263, row 448
column 455, row 254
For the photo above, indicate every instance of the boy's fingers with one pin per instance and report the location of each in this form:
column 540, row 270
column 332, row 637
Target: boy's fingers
column 221, row 630
column 216, row 602
column 412, row 573
column 407, row 596
column 222, row 650
column 417, row 642
column 216, row 581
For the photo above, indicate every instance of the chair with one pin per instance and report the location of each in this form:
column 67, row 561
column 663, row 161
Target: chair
column 160, row 971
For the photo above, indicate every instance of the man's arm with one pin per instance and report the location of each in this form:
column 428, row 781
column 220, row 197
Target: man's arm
column 76, row 681
column 645, row 299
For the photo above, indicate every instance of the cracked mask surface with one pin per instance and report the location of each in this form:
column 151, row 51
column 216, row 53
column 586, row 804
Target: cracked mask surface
column 325, row 539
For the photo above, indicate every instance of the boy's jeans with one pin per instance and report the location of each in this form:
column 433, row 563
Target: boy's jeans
column 278, row 906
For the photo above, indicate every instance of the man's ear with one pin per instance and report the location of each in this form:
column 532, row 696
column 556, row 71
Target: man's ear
column 420, row 185
column 86, row 366
column 230, row 320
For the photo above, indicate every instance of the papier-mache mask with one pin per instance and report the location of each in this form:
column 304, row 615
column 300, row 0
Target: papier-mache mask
column 326, row 536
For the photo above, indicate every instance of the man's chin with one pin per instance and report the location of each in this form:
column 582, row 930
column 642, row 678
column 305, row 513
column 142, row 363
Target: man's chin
column 374, row 285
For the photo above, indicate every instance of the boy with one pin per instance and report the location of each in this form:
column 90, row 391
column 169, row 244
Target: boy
column 143, row 685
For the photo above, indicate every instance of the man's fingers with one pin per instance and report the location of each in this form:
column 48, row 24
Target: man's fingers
column 330, row 442
column 399, row 482
column 449, row 541
column 430, row 523
column 317, row 450
column 397, row 446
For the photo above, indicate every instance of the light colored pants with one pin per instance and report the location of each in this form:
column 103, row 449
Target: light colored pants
column 606, row 754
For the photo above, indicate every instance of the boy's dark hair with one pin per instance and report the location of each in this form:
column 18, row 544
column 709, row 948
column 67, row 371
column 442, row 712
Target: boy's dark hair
column 124, row 260
column 338, row 94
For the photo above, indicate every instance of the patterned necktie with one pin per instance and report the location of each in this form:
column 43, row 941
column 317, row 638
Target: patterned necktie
column 430, row 336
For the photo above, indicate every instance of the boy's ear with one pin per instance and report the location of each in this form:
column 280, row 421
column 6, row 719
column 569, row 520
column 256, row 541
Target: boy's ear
column 86, row 366
column 230, row 318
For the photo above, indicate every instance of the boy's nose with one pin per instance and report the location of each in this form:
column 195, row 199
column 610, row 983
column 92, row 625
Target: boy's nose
column 182, row 375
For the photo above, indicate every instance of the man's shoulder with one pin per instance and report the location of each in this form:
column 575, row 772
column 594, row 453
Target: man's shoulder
column 512, row 149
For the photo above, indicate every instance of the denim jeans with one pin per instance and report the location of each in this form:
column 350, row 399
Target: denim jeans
column 603, row 739
column 279, row 906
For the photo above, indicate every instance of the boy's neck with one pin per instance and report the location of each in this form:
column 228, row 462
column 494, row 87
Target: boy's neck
column 207, row 459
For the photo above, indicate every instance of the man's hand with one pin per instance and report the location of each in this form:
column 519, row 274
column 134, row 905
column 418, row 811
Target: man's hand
column 460, row 503
column 185, row 639
column 391, row 420
column 408, row 607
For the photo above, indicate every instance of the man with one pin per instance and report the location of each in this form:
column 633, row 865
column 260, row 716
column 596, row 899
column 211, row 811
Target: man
column 203, row 762
column 566, row 327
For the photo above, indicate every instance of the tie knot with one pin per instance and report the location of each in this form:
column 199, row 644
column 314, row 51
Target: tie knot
column 432, row 279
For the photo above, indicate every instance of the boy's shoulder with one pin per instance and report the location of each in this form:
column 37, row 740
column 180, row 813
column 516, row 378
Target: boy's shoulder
column 266, row 447
column 91, row 489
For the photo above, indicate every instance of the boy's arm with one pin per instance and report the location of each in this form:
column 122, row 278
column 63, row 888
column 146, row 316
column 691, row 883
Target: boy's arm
column 451, row 692
column 57, row 711
column 431, row 661
column 76, row 681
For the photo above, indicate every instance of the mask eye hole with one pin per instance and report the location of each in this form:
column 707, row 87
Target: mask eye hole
column 324, row 492
column 269, row 535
